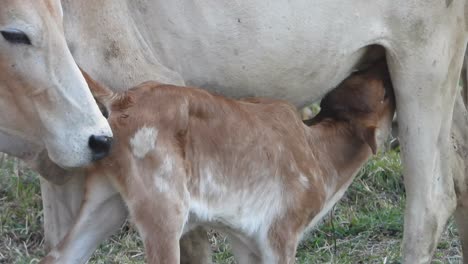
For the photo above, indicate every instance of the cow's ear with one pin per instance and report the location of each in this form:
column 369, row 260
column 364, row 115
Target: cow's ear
column 369, row 136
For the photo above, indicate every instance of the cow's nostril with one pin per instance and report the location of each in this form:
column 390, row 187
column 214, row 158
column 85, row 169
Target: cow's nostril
column 100, row 146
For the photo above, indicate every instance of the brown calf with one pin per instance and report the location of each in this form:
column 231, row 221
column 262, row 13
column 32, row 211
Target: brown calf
column 183, row 157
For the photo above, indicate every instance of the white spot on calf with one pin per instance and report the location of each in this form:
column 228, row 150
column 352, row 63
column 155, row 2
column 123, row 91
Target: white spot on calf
column 251, row 208
column 161, row 184
column 143, row 141
column 304, row 180
column 209, row 185
column 162, row 175
column 166, row 166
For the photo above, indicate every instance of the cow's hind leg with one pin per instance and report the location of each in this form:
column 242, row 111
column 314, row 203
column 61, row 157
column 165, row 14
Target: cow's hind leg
column 425, row 85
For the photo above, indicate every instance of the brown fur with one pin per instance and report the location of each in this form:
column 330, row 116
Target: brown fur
column 245, row 144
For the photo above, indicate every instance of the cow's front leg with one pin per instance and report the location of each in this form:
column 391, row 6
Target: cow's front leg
column 61, row 204
column 101, row 214
column 425, row 85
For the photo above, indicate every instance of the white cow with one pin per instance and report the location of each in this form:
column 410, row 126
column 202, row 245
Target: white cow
column 296, row 50
column 43, row 97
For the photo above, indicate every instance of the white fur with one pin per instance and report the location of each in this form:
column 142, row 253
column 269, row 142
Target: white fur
column 143, row 141
column 166, row 167
column 304, row 180
column 163, row 174
column 209, row 185
column 162, row 185
column 246, row 212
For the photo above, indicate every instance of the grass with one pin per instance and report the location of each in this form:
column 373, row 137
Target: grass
column 366, row 226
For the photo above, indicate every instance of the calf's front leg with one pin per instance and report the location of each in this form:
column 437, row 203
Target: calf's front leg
column 160, row 225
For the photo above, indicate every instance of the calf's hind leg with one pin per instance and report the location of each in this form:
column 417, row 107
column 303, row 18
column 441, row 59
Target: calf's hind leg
column 243, row 253
column 194, row 247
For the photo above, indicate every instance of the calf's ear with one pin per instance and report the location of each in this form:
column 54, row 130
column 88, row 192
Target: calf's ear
column 103, row 108
column 369, row 136
column 100, row 92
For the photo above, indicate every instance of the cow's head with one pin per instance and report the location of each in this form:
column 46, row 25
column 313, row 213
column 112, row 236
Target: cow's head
column 43, row 96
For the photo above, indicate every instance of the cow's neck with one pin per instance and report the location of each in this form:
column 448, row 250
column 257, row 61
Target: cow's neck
column 339, row 152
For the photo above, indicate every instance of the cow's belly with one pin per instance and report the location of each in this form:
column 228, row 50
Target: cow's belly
column 297, row 85
column 282, row 49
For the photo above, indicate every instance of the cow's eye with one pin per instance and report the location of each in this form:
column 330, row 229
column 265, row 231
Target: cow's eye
column 15, row 36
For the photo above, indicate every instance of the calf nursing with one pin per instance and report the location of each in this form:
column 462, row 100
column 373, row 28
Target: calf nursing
column 183, row 157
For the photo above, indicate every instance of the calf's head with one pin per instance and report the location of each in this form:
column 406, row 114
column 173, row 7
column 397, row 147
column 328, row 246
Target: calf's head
column 365, row 100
